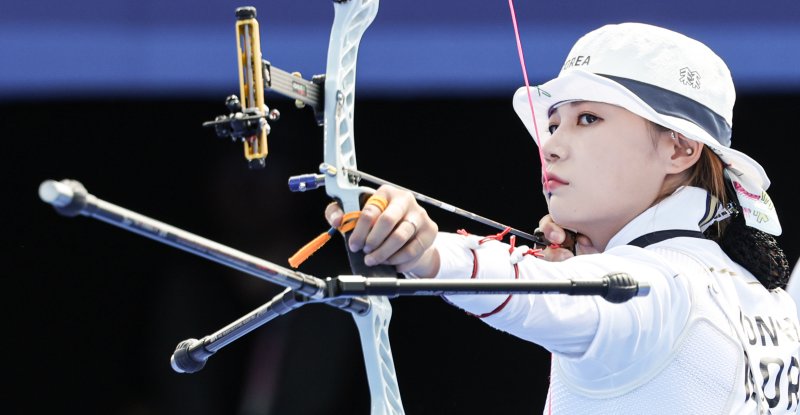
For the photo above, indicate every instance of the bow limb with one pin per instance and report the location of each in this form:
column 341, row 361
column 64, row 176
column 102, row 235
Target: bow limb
column 351, row 21
column 352, row 17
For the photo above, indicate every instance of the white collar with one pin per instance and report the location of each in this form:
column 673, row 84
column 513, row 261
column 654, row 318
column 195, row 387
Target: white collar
column 684, row 209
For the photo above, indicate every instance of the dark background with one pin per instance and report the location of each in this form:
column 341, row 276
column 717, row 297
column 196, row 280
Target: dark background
column 96, row 312
column 93, row 313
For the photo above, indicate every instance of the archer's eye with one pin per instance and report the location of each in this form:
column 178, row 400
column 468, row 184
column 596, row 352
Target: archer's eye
column 552, row 128
column 586, row 119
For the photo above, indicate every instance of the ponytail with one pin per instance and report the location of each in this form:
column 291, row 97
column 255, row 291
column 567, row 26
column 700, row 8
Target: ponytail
column 756, row 251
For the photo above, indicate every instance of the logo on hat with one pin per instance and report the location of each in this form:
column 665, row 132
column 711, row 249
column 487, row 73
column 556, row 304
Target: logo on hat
column 576, row 61
column 690, row 78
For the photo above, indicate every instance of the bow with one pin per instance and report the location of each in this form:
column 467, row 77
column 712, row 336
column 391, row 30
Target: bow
column 333, row 106
column 338, row 173
column 352, row 17
column 334, row 109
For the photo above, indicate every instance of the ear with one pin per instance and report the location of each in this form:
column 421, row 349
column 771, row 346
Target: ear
column 683, row 153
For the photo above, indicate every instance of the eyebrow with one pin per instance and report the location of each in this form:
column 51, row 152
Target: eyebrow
column 553, row 109
column 570, row 103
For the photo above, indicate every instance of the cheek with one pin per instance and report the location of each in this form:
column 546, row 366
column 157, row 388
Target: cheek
column 603, row 172
column 631, row 162
column 612, row 180
column 634, row 187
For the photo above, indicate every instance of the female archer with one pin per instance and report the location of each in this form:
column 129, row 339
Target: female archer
column 635, row 137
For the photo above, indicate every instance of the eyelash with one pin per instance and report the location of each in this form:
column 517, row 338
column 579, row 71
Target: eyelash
column 553, row 127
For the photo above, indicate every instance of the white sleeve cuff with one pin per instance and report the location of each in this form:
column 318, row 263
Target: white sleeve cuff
column 457, row 262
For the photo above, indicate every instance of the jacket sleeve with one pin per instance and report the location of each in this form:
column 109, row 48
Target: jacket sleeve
column 577, row 327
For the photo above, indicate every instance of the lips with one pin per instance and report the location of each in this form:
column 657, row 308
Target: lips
column 553, row 181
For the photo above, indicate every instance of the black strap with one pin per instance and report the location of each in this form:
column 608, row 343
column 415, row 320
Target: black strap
column 658, row 236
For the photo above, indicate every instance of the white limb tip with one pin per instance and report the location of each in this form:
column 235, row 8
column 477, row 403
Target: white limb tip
column 55, row 193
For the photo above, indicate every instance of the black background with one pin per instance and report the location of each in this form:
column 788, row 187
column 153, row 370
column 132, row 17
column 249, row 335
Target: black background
column 95, row 312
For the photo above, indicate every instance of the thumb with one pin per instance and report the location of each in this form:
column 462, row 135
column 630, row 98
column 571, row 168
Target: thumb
column 333, row 214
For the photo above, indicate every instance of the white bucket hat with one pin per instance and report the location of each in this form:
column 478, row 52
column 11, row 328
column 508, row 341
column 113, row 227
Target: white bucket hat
column 667, row 78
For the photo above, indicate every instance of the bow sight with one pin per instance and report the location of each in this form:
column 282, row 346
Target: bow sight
column 248, row 116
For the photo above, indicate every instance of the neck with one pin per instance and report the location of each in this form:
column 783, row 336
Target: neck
column 600, row 238
column 600, row 232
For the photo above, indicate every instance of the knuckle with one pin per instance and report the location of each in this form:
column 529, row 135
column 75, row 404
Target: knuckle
column 400, row 257
column 408, row 197
column 387, row 220
column 378, row 256
column 433, row 226
column 396, row 239
column 369, row 214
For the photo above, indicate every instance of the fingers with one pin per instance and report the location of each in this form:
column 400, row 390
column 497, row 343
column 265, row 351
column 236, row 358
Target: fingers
column 333, row 214
column 553, row 232
column 556, row 254
column 411, row 239
column 556, row 234
column 396, row 231
column 378, row 219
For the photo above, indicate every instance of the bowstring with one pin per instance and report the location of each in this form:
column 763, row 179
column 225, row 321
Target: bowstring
column 528, row 90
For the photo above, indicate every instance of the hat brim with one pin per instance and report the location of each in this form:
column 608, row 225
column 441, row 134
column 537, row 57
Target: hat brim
column 579, row 85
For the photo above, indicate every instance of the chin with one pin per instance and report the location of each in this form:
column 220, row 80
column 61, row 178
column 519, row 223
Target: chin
column 567, row 218
column 564, row 220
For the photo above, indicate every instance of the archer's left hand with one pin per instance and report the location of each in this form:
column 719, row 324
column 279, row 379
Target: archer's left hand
column 401, row 234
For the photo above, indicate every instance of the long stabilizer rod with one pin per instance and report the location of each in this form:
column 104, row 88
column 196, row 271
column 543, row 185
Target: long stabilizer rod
column 70, row 198
column 348, row 292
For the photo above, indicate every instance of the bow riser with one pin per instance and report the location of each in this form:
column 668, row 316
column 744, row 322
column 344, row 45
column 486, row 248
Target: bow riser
column 350, row 22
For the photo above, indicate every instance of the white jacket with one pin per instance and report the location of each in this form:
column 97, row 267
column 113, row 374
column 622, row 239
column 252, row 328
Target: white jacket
column 707, row 339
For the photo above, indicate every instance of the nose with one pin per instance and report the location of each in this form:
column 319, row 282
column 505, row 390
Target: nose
column 552, row 150
column 550, row 157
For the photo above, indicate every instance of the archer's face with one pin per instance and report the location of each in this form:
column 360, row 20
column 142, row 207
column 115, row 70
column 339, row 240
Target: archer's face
column 603, row 167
